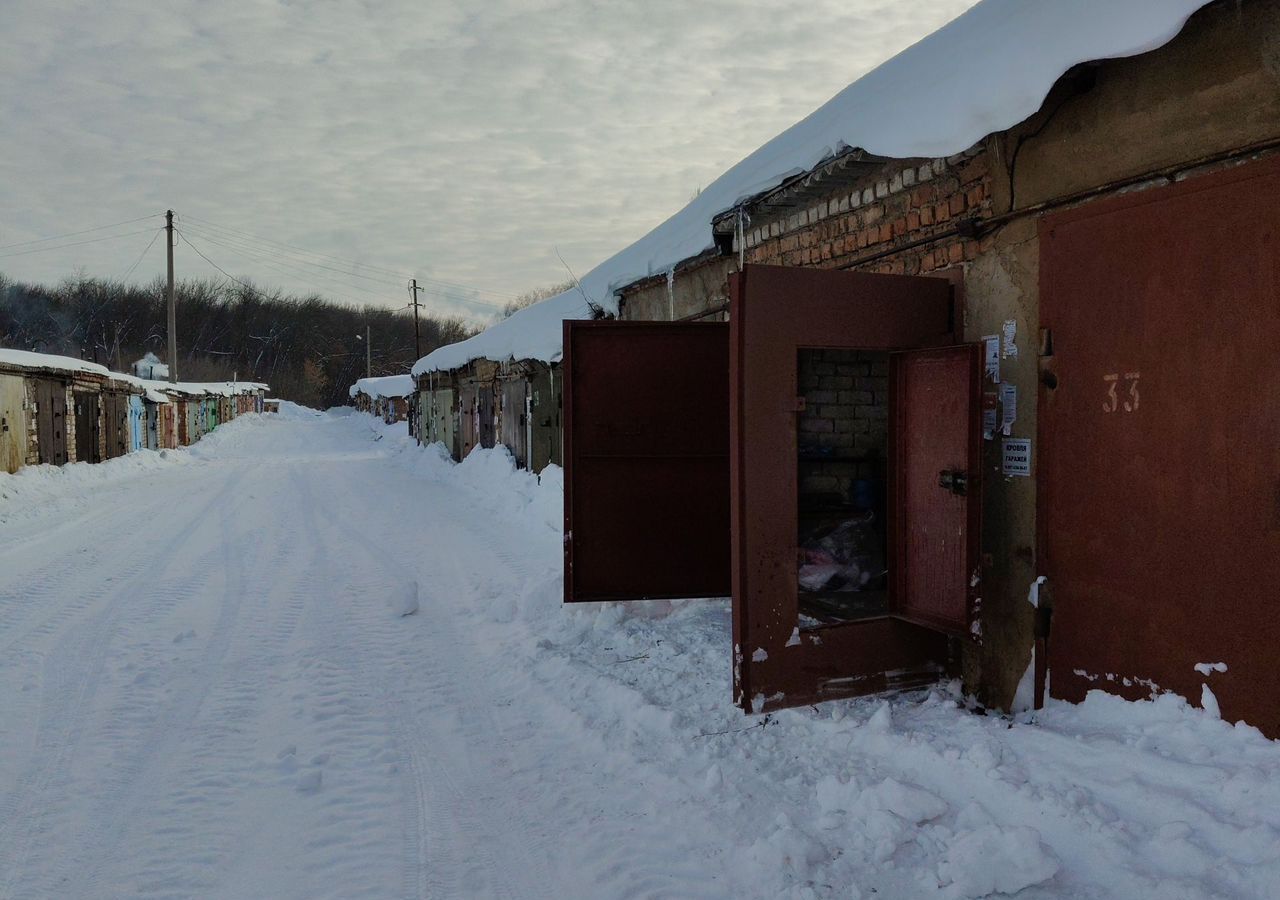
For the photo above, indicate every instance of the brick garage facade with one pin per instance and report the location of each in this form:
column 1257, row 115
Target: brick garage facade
column 911, row 212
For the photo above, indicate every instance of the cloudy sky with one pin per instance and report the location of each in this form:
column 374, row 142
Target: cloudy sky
column 341, row 147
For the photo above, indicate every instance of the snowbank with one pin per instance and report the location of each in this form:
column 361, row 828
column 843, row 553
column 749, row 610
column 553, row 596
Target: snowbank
column 984, row 72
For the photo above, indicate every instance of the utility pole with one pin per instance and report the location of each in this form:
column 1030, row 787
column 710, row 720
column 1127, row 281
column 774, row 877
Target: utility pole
column 173, row 309
column 417, row 338
column 368, row 354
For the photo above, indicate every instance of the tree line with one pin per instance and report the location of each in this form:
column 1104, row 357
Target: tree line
column 305, row 347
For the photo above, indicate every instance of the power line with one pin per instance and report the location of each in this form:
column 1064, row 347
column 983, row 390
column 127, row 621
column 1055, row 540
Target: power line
column 244, row 241
column 260, row 256
column 112, row 237
column 502, row 295
column 155, row 237
column 288, row 270
column 58, row 237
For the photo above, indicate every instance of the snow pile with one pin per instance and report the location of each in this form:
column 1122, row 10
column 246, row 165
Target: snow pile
column 150, row 367
column 984, row 72
column 388, row 386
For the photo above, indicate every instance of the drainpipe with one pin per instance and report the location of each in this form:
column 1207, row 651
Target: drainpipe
column 528, row 428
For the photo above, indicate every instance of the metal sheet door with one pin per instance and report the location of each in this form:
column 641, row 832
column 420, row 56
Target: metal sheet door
column 485, row 415
column 646, row 460
column 87, row 425
column 514, row 418
column 13, row 423
column 935, row 518
column 51, row 421
column 1159, row 468
column 774, row 313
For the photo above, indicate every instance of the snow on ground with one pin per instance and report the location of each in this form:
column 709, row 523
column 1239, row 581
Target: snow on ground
column 211, row 688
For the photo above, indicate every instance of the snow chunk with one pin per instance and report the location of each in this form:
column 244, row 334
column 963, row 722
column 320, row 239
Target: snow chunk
column 760, row 655
column 995, row 860
column 1206, row 669
column 1209, row 702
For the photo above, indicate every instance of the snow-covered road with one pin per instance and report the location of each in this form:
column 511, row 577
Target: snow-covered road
column 207, row 689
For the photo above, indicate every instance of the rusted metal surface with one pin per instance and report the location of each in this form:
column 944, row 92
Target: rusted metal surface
column 468, row 422
column 544, row 390
column 646, row 460
column 1159, row 465
column 13, row 423
column 937, row 440
column 514, row 418
column 115, row 423
column 485, row 415
column 51, row 421
column 87, row 427
column 775, row 312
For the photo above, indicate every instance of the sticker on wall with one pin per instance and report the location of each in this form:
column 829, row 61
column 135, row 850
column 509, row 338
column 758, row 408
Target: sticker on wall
column 1017, row 456
column 991, row 347
column 1009, row 407
column 1010, row 339
column 990, row 419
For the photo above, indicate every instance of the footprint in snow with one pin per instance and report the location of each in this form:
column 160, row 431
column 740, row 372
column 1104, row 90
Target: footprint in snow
column 309, row 782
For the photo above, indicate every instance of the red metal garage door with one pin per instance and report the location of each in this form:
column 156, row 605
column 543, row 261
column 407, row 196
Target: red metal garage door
column 776, row 312
column 646, row 443
column 1159, row 471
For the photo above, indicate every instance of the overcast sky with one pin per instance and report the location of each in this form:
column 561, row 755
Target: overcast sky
column 463, row 143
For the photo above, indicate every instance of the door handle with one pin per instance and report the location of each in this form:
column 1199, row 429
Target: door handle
column 955, row 482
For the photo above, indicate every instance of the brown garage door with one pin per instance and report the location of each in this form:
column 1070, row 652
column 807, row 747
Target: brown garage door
column 1159, row 472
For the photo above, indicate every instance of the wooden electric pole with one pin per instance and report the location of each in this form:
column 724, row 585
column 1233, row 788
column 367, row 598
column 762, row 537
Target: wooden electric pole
column 173, row 309
column 368, row 353
column 417, row 338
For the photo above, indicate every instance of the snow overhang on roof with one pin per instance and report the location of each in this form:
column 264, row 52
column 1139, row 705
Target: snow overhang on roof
column 26, row 359
column 386, row 386
column 984, row 72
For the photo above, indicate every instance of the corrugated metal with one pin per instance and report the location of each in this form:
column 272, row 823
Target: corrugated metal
column 1159, row 468
column 646, row 460
column 775, row 312
column 13, row 423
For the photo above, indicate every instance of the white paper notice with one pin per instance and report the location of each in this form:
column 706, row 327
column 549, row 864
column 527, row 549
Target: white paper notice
column 1010, row 339
column 1009, row 408
column 989, row 424
column 991, row 346
column 1017, row 456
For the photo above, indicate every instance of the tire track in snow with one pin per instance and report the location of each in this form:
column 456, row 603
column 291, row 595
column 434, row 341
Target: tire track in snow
column 72, row 678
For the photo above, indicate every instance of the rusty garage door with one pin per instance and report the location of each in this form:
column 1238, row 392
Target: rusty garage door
column 87, row 425
column 796, row 641
column 646, row 460
column 1159, row 470
column 51, row 421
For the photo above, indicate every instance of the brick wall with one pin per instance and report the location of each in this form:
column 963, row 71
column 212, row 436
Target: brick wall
column 899, row 206
column 845, row 418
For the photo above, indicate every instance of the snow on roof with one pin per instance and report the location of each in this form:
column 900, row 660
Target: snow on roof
column 385, row 386
column 155, row 389
column 29, row 360
column 984, row 72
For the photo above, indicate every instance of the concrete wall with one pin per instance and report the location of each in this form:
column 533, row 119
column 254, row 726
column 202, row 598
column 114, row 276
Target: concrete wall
column 1214, row 89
